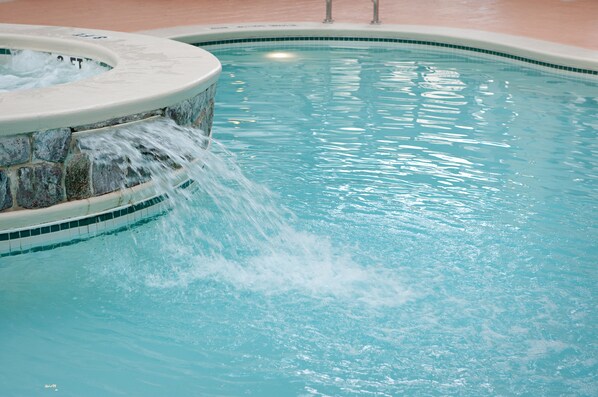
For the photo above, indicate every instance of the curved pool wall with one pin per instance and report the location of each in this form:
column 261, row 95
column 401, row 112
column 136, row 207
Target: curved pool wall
column 143, row 69
column 51, row 190
column 562, row 58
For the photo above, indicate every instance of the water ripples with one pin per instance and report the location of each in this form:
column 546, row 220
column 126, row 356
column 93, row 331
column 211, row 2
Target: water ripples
column 387, row 222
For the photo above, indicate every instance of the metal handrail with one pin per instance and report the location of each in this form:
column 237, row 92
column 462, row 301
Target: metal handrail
column 376, row 20
column 328, row 12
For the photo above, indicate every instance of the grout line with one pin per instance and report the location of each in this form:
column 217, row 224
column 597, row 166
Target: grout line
column 52, row 235
column 401, row 41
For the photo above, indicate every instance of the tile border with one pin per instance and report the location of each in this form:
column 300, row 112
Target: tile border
column 578, row 60
column 400, row 41
column 25, row 237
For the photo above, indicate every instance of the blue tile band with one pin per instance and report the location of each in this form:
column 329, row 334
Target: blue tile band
column 401, row 41
column 93, row 219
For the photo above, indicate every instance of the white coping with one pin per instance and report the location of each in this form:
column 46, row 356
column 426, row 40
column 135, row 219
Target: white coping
column 148, row 73
column 550, row 52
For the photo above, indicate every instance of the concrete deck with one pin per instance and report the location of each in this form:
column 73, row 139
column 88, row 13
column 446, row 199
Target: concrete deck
column 571, row 22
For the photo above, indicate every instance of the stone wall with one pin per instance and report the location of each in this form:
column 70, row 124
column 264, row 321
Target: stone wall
column 42, row 168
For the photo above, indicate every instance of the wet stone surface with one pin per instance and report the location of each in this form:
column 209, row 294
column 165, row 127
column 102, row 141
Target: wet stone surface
column 51, row 145
column 136, row 177
column 108, row 176
column 77, row 178
column 39, row 185
column 44, row 168
column 205, row 119
column 188, row 111
column 5, row 193
column 14, row 150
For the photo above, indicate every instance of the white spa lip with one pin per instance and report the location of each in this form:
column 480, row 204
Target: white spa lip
column 148, row 73
column 540, row 50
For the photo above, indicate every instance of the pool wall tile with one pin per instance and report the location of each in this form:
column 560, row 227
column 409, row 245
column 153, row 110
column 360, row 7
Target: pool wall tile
column 43, row 237
column 93, row 229
column 500, row 54
column 4, row 246
column 14, row 246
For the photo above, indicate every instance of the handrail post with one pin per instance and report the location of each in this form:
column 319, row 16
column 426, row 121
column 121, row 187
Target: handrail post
column 328, row 12
column 376, row 20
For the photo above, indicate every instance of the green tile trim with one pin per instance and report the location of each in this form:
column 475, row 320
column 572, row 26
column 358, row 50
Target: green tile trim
column 56, row 227
column 402, row 41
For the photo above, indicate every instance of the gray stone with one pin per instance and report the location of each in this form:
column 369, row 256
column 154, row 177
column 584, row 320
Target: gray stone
column 39, row 185
column 14, row 150
column 211, row 92
column 156, row 155
column 5, row 194
column 77, row 178
column 83, row 144
column 182, row 113
column 108, row 176
column 136, row 177
column 197, row 111
column 51, row 145
column 186, row 112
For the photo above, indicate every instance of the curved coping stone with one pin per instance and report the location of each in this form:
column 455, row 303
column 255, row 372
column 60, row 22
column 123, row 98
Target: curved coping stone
column 539, row 52
column 148, row 73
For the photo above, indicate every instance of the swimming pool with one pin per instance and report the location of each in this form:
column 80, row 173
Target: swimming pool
column 394, row 221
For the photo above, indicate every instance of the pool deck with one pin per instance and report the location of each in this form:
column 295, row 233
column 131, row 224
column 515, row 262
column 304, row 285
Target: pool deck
column 570, row 22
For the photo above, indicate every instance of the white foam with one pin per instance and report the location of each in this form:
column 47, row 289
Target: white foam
column 26, row 69
column 230, row 229
column 307, row 264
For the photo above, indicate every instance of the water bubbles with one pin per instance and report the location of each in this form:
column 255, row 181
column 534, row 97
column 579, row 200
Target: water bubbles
column 26, row 69
column 227, row 228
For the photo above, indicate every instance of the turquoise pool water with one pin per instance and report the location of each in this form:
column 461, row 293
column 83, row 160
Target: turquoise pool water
column 388, row 222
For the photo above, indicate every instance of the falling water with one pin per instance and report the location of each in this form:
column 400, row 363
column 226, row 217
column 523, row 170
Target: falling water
column 227, row 227
column 388, row 222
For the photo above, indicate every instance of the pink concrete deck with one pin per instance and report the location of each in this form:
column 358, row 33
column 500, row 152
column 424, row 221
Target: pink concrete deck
column 572, row 22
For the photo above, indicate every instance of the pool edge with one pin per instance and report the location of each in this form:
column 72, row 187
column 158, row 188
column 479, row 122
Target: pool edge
column 516, row 46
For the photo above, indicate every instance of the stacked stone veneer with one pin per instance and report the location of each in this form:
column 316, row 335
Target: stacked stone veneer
column 39, row 169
